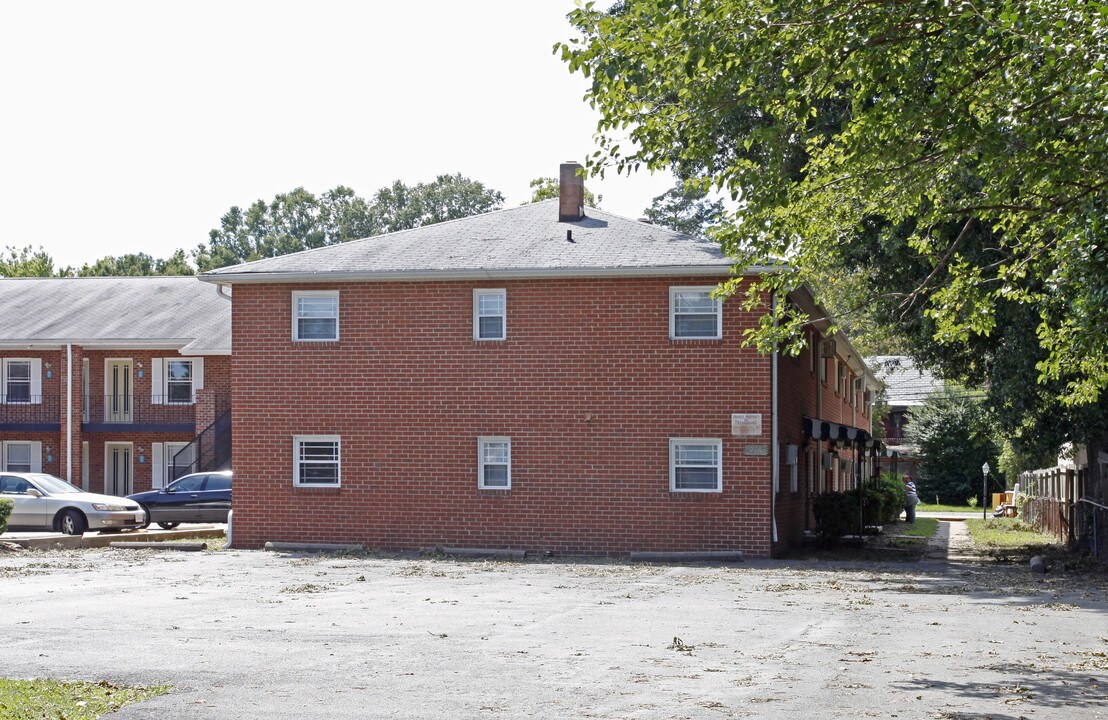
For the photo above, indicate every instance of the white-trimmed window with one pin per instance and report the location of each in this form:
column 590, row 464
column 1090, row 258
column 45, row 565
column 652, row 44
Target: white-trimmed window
column 316, row 461
column 22, row 456
column 175, row 380
column 315, row 315
column 490, row 314
column 23, row 381
column 494, row 463
column 694, row 314
column 695, row 465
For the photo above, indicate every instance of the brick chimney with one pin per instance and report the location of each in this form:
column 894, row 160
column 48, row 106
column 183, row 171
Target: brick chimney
column 571, row 193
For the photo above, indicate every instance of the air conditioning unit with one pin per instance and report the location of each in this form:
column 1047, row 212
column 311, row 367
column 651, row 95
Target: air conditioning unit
column 828, row 348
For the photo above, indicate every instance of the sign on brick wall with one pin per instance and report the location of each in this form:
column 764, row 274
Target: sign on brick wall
column 746, row 424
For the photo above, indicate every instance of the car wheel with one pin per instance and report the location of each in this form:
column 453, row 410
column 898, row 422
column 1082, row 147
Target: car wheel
column 72, row 523
column 167, row 526
column 147, row 511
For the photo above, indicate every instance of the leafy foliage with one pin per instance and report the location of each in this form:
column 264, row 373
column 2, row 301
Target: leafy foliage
column 926, row 127
column 685, row 208
column 547, row 188
column 26, row 262
column 6, row 507
column 137, row 264
column 299, row 220
column 952, row 431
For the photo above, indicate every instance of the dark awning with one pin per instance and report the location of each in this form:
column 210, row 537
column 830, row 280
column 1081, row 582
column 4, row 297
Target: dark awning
column 837, row 432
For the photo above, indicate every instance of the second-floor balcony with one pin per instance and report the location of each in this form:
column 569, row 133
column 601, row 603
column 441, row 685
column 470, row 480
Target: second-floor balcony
column 23, row 411
column 104, row 413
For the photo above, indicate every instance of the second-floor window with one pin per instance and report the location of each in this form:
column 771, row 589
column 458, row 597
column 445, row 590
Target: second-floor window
column 175, row 380
column 19, row 381
column 490, row 314
column 694, row 314
column 178, row 381
column 22, row 380
column 315, row 315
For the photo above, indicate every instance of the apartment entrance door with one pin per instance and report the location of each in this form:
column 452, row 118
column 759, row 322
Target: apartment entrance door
column 118, row 469
column 118, row 391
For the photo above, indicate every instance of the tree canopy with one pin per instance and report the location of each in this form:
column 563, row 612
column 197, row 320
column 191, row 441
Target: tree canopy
column 299, row 220
column 967, row 141
column 547, row 188
column 685, row 208
column 26, row 262
column 137, row 264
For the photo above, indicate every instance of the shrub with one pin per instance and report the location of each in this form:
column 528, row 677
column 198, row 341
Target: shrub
column 836, row 514
column 889, row 497
column 6, row 507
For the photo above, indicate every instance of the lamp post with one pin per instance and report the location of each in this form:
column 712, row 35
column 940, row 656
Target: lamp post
column 984, row 488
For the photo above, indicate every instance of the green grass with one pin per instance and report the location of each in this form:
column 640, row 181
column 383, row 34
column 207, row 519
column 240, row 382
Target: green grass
column 55, row 699
column 1006, row 533
column 932, row 507
column 924, row 528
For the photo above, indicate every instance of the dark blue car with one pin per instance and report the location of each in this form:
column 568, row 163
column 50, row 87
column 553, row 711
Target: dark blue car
column 196, row 498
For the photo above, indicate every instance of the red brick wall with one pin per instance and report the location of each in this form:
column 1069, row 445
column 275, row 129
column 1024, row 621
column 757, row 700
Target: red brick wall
column 217, row 377
column 798, row 385
column 588, row 386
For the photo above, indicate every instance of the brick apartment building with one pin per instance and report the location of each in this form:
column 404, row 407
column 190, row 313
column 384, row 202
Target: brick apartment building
column 108, row 382
column 547, row 378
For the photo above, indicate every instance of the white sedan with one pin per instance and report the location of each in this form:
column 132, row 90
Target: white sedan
column 44, row 502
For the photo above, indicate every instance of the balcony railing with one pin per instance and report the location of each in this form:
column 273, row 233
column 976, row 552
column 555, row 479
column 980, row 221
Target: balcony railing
column 154, row 413
column 30, row 412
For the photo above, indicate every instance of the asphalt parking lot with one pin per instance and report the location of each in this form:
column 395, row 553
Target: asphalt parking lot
column 251, row 634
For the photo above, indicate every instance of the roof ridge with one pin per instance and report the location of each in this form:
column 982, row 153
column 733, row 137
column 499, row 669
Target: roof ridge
column 387, row 234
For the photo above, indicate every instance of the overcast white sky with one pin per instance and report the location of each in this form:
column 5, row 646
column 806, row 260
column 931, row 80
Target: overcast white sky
column 133, row 126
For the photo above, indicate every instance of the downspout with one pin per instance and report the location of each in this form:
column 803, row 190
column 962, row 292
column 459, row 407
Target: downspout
column 69, row 412
column 775, row 483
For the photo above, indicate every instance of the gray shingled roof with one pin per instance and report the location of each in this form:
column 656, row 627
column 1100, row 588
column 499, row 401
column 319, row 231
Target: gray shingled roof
column 144, row 311
column 905, row 384
column 521, row 241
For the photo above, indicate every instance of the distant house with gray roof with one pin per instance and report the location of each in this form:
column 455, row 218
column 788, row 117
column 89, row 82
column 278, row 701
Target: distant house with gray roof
column 907, row 386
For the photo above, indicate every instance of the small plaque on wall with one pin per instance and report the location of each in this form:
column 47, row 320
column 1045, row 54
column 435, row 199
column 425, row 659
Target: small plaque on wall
column 756, row 450
column 746, row 424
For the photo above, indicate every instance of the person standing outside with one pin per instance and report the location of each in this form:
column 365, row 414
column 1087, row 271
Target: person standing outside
column 911, row 499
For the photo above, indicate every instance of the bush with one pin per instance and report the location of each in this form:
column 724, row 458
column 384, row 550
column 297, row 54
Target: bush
column 6, row 507
column 836, row 514
column 887, row 497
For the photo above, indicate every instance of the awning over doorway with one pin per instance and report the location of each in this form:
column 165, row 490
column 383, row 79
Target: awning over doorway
column 814, row 428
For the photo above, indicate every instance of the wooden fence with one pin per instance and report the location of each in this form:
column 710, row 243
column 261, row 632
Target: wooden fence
column 1059, row 504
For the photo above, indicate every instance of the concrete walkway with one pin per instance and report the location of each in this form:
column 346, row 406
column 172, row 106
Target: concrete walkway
column 951, row 543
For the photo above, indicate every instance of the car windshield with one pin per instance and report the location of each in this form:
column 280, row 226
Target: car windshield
column 54, row 486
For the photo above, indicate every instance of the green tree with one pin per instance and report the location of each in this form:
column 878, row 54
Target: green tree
column 934, row 119
column 547, row 188
column 685, row 208
column 299, row 220
column 939, row 170
column 291, row 222
column 953, row 434
column 27, row 262
column 137, row 264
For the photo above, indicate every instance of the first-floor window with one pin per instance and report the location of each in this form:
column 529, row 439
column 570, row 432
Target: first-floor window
column 17, row 456
column 494, row 463
column 490, row 313
column 316, row 460
column 695, row 465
